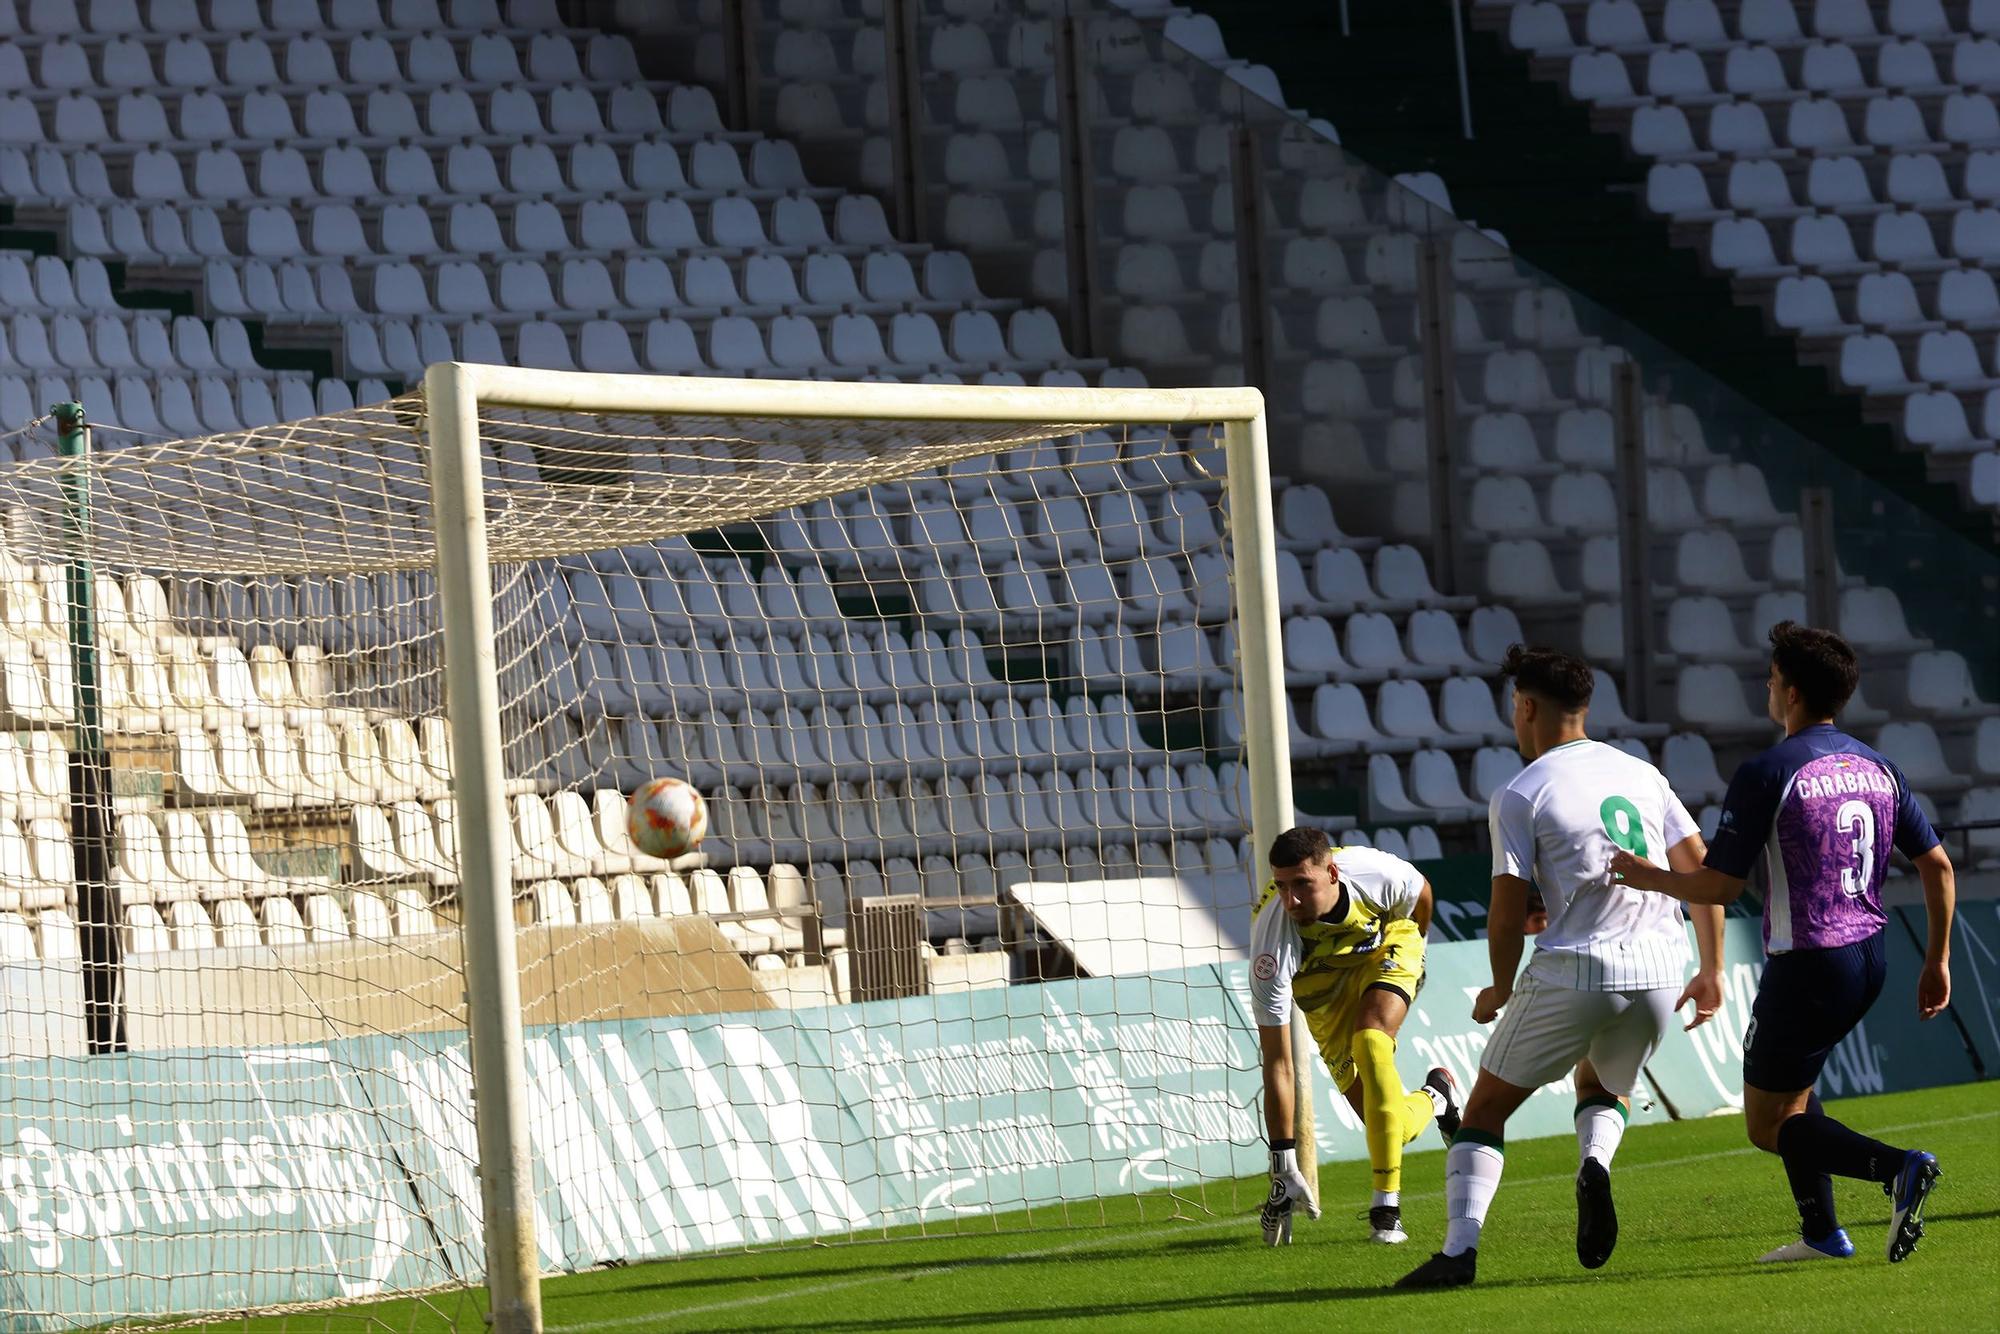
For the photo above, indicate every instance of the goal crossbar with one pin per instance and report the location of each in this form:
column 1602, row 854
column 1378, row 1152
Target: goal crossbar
column 697, row 395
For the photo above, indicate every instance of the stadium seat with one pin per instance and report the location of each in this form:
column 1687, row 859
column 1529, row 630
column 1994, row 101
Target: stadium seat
column 1404, row 710
column 1940, row 684
column 1712, row 698
column 1915, row 749
column 1689, row 764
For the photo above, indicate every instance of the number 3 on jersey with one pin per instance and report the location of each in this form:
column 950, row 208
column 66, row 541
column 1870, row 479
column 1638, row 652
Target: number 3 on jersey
column 1623, row 826
column 1856, row 819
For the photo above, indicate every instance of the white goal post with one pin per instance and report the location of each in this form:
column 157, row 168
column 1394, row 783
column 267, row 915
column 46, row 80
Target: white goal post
column 456, row 394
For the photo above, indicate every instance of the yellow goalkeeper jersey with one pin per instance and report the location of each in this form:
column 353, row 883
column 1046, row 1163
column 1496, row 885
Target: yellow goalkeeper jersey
column 1309, row 962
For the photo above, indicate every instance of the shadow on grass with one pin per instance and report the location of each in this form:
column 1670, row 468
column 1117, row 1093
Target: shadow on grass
column 1180, row 1246
column 1225, row 1301
column 1857, row 1228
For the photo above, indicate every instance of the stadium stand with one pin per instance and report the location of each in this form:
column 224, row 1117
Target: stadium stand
column 1535, row 375
column 371, row 188
column 1840, row 161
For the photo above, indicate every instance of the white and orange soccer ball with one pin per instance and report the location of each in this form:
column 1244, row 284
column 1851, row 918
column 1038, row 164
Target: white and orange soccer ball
column 666, row 818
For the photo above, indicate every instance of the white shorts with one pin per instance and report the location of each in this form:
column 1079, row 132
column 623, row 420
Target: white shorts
column 1545, row 1030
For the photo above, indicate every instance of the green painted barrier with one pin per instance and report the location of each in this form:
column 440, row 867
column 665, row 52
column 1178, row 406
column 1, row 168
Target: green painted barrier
column 149, row 1184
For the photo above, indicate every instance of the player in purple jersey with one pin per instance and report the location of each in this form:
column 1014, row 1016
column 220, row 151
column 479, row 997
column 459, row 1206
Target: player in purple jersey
column 1817, row 814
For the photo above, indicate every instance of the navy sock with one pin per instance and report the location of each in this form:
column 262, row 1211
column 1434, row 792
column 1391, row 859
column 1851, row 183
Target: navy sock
column 1816, row 1142
column 1812, row 1189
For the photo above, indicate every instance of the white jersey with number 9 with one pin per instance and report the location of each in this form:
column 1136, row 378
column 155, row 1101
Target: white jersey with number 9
column 1556, row 825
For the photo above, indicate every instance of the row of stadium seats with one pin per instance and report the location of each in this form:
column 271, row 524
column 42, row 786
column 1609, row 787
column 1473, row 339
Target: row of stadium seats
column 1546, row 27
column 590, row 171
column 1527, row 380
column 1872, row 363
column 1901, row 304
column 657, row 681
column 1825, row 244
column 1760, row 72
column 907, row 344
column 819, row 743
column 283, row 766
column 153, row 406
column 315, row 919
column 94, row 20
column 250, row 61
column 1885, row 122
column 1700, row 560
column 708, row 285
column 1707, row 628
column 739, row 907
column 1524, row 571
column 128, row 408
column 1162, row 594
column 1859, row 188
column 881, row 281
column 1581, row 502
column 135, row 342
column 182, row 232
column 150, row 686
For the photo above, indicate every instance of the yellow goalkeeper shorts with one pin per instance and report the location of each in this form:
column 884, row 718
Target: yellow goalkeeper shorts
column 1398, row 963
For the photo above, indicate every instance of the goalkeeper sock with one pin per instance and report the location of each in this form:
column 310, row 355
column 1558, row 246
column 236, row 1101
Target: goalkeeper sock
column 1600, row 1124
column 1418, row 1112
column 1471, row 1176
column 1381, row 1105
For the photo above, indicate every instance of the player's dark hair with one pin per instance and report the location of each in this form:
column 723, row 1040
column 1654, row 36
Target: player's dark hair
column 1816, row 663
column 1546, row 673
column 1296, row 847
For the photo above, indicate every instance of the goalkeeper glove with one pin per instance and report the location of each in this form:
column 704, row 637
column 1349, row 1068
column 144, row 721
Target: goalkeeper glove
column 1288, row 1187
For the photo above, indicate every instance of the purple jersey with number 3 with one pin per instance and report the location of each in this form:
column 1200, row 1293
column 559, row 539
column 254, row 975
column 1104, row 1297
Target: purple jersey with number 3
column 1818, row 812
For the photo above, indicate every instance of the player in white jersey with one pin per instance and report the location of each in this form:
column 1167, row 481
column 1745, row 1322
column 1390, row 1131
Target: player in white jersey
column 1607, row 972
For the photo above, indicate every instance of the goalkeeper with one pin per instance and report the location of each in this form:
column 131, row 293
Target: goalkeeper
column 1341, row 930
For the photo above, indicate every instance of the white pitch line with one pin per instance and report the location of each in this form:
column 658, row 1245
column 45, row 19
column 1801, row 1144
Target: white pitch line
column 1102, row 1241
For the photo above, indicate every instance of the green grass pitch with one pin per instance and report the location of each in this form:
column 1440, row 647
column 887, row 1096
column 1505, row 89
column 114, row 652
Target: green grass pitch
column 1696, row 1207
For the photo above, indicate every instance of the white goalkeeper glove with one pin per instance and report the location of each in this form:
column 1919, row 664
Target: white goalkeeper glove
column 1288, row 1187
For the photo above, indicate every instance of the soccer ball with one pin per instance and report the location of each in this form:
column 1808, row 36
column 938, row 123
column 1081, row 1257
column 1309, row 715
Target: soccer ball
column 666, row 818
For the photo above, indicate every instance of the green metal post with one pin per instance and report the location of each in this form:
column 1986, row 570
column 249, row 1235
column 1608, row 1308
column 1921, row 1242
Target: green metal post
column 89, row 762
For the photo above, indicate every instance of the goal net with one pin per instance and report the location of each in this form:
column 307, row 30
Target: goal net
column 312, row 801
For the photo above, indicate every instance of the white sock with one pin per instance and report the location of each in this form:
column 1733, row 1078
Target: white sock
column 1598, row 1130
column 1471, row 1175
column 1385, row 1197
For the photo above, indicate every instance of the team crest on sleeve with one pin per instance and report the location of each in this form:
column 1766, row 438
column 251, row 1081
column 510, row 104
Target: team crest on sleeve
column 1266, row 967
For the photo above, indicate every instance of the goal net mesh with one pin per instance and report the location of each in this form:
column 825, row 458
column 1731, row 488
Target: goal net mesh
column 961, row 699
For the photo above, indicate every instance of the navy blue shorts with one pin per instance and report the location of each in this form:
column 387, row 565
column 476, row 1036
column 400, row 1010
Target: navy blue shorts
column 1807, row 1002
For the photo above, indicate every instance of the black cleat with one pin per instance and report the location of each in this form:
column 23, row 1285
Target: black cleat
column 1440, row 1082
column 1596, row 1218
column 1385, row 1224
column 1443, row 1271
column 1908, row 1192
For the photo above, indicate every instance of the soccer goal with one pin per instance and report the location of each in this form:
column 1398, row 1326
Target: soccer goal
column 332, row 969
